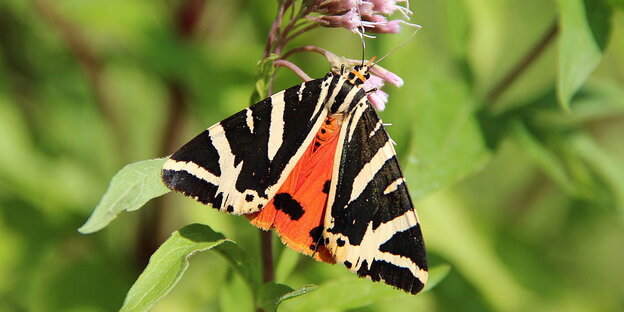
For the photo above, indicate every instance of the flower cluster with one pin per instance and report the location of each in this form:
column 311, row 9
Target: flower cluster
column 360, row 16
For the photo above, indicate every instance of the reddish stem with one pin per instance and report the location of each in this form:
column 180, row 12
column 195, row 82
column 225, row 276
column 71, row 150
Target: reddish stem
column 294, row 68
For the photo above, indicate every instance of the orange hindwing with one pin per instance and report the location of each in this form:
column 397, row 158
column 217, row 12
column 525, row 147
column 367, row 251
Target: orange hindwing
column 297, row 211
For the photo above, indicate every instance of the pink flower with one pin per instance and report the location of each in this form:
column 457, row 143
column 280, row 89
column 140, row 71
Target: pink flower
column 350, row 20
column 386, row 75
column 334, row 7
column 356, row 14
column 388, row 7
column 377, row 98
column 391, row 27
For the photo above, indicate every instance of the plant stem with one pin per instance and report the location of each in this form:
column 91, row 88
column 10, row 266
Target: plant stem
column 294, row 68
column 306, row 49
column 277, row 39
column 507, row 81
column 266, row 245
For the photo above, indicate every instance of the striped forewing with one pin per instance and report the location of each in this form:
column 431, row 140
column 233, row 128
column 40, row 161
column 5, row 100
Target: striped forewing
column 238, row 164
column 370, row 223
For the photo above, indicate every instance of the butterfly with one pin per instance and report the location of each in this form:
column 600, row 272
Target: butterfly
column 315, row 163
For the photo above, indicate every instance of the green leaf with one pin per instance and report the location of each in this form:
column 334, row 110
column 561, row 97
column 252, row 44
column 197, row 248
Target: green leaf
column 553, row 151
column 542, row 155
column 132, row 187
column 168, row 264
column 436, row 275
column 598, row 100
column 611, row 170
column 266, row 70
column 272, row 294
column 344, row 294
column 585, row 28
column 237, row 258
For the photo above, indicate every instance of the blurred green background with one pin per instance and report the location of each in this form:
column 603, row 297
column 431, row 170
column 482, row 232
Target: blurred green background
column 523, row 198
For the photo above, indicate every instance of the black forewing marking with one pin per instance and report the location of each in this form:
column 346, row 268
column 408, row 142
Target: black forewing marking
column 367, row 207
column 361, row 208
column 244, row 142
column 384, row 271
column 415, row 252
column 201, row 151
column 192, row 186
column 245, row 136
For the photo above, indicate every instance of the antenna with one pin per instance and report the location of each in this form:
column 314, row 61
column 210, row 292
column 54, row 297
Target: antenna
column 418, row 27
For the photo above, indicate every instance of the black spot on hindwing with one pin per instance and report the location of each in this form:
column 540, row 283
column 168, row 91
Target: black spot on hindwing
column 326, row 186
column 288, row 205
column 316, row 234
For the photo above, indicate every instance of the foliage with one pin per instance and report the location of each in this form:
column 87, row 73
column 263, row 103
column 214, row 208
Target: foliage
column 512, row 151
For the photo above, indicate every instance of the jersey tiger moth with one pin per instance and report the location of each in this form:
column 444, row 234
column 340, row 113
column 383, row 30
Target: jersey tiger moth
column 315, row 163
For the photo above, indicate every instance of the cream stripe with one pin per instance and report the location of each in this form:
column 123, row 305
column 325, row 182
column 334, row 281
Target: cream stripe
column 230, row 173
column 300, row 92
column 337, row 88
column 377, row 127
column 357, row 114
column 394, row 186
column 191, row 168
column 368, row 171
column 250, row 121
column 276, row 129
column 373, row 239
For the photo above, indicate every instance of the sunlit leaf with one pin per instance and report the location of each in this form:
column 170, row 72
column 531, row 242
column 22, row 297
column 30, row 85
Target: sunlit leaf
column 132, row 187
column 168, row 264
column 585, row 28
column 272, row 294
column 344, row 294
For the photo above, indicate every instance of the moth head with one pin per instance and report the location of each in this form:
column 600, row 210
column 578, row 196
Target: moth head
column 360, row 73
